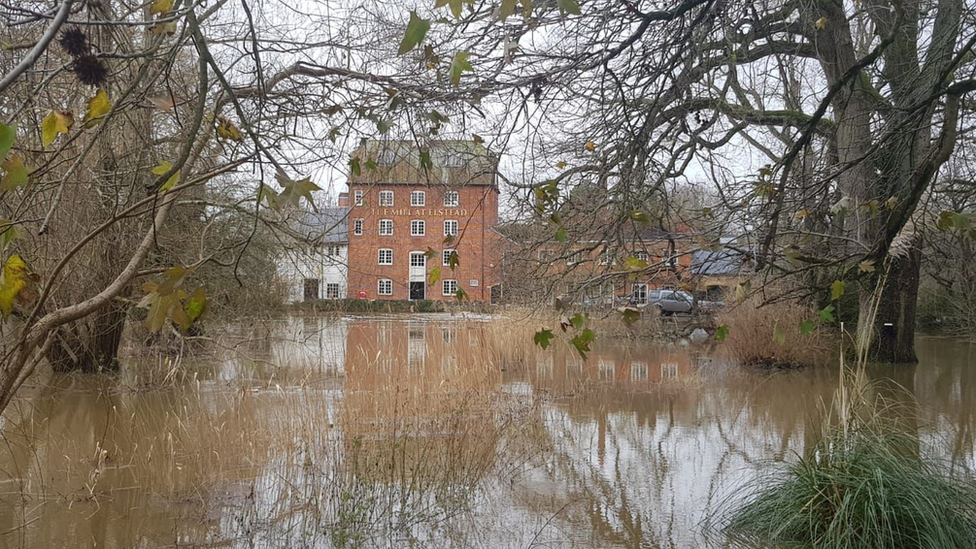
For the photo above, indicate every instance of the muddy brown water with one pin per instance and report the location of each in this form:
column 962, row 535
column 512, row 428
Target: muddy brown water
column 425, row 431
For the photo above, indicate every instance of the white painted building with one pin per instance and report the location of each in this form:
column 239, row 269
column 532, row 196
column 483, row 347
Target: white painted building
column 318, row 268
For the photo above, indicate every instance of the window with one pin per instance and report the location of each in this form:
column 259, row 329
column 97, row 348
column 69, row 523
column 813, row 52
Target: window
column 331, row 251
column 386, row 198
column 450, row 287
column 447, row 256
column 418, row 198
column 453, row 160
column 545, row 256
column 357, row 227
column 672, row 259
column 574, row 258
column 450, row 227
column 384, row 286
column 640, row 255
column 418, row 227
column 607, row 370
column 358, row 198
column 669, row 370
column 606, row 257
column 386, row 227
column 332, row 290
column 386, row 158
column 639, row 295
column 418, row 259
column 311, row 289
column 452, row 199
column 386, row 256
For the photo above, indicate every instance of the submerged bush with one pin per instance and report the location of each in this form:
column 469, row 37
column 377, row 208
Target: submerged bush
column 770, row 334
column 868, row 490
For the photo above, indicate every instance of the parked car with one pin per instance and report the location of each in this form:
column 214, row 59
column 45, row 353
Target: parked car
column 668, row 302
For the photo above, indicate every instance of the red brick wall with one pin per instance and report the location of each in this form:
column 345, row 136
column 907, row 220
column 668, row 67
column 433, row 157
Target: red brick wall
column 476, row 244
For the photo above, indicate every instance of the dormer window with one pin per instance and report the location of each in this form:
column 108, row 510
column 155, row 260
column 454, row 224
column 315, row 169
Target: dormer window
column 453, row 160
column 386, row 157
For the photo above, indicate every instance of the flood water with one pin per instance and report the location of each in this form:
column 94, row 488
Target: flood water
column 427, row 431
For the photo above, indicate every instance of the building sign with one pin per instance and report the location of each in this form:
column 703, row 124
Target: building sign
column 419, row 212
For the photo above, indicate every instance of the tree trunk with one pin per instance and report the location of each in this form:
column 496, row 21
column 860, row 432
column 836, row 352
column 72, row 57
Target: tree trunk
column 893, row 335
column 90, row 344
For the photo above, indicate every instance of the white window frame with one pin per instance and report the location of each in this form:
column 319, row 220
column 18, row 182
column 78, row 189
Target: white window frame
column 575, row 258
column 384, row 282
column 386, row 199
column 640, row 286
column 448, row 203
column 457, row 227
column 446, row 283
column 329, row 294
column 380, row 254
column 358, row 197
column 386, row 157
column 421, row 262
column 452, row 160
column 414, row 224
column 641, row 255
column 357, row 227
column 606, row 256
column 638, row 370
column 381, row 224
column 446, row 256
column 418, row 199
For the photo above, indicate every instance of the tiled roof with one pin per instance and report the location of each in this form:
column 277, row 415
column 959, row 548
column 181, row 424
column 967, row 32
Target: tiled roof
column 329, row 225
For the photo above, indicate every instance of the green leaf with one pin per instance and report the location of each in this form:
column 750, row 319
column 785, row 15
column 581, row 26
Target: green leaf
column 15, row 173
column 8, row 232
column 543, row 338
column 433, row 275
column 163, row 168
column 569, row 6
column 7, row 136
column 721, row 333
column 371, row 165
column 425, row 161
column 383, row 125
column 417, row 29
column 582, row 341
column 778, row 335
column 460, row 65
column 634, row 264
column 836, row 290
column 560, row 235
column 13, row 278
column 578, row 320
column 455, row 6
column 452, row 260
column 806, row 327
column 54, row 124
column 461, row 295
column 826, row 314
column 99, row 106
column 354, row 165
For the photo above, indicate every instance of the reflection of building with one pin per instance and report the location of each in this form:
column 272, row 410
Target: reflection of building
column 418, row 211
column 317, row 268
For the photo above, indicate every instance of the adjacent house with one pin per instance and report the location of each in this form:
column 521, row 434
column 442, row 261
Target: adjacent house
column 317, row 268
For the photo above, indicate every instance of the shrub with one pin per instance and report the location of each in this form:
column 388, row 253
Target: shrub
column 866, row 490
column 770, row 334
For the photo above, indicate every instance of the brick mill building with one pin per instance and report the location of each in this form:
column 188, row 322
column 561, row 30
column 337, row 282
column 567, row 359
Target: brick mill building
column 415, row 212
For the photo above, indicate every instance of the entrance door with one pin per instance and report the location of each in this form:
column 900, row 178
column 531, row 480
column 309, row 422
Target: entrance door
column 418, row 276
column 417, row 291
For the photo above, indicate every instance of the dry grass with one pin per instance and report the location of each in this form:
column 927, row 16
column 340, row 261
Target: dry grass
column 769, row 335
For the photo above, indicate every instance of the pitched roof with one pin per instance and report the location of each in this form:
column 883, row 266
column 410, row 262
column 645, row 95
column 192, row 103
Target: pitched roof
column 330, row 225
column 725, row 261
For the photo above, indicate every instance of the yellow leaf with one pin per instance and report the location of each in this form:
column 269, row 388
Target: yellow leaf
column 12, row 281
column 866, row 266
column 98, row 107
column 560, row 165
column 798, row 216
column 161, row 169
column 821, row 23
column 590, row 146
column 16, row 173
column 228, row 130
column 161, row 7
column 56, row 122
column 168, row 28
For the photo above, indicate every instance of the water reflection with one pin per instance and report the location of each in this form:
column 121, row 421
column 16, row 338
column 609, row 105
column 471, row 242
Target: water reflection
column 432, row 430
